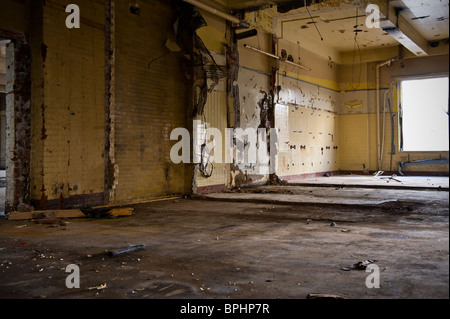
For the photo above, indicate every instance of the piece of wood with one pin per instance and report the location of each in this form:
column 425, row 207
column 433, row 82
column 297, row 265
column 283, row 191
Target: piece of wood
column 141, row 202
column 121, row 212
column 20, row 215
column 63, row 213
column 66, row 213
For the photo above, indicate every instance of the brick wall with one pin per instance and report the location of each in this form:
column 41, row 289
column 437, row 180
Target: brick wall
column 68, row 149
column 149, row 104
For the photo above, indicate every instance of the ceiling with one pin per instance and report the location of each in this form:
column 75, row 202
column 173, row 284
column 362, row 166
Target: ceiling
column 336, row 29
column 332, row 23
column 429, row 18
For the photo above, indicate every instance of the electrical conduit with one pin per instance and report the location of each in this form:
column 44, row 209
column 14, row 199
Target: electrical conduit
column 218, row 13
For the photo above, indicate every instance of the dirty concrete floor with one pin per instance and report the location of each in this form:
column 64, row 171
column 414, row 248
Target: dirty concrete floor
column 381, row 181
column 230, row 246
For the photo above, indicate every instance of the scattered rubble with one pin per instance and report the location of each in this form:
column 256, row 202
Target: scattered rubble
column 362, row 265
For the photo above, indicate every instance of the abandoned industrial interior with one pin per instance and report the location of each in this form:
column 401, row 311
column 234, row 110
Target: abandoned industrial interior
column 224, row 149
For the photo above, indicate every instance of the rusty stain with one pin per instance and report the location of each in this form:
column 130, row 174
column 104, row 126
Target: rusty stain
column 167, row 172
column 44, row 52
column 142, row 147
column 43, row 201
column 61, row 201
column 43, row 130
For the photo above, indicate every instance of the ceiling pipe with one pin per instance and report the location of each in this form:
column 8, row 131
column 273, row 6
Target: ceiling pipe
column 218, row 13
column 276, row 57
column 246, row 34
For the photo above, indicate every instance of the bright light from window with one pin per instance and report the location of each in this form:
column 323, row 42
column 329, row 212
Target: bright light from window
column 425, row 114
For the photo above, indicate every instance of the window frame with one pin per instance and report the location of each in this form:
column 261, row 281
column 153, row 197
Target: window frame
column 400, row 109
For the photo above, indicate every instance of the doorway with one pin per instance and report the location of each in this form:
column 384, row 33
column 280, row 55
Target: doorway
column 3, row 44
column 15, row 121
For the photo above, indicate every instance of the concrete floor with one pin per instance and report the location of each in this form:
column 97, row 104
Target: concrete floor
column 265, row 242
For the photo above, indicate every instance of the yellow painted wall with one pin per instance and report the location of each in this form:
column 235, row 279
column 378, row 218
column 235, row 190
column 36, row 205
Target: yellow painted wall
column 149, row 104
column 354, row 142
column 68, row 108
column 359, row 123
column 329, row 112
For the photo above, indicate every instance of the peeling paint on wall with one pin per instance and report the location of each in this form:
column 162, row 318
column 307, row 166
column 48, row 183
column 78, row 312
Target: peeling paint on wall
column 18, row 121
column 253, row 88
column 306, row 116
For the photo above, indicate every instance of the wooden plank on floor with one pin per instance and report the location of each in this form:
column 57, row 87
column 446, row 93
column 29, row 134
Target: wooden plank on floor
column 65, row 213
column 121, row 212
column 20, row 216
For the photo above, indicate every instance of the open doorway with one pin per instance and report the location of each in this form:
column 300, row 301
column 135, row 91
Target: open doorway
column 3, row 44
column 15, row 120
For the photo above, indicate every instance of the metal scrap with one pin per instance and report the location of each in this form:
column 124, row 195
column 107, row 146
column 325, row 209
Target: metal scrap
column 98, row 287
column 127, row 250
column 362, row 265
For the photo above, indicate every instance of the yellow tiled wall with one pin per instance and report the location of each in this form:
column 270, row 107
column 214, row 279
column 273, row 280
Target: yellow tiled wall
column 149, row 104
column 68, row 126
column 310, row 98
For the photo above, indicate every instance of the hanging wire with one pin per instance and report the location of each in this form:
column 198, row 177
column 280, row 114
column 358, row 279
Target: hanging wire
column 321, row 38
column 356, row 48
column 156, row 59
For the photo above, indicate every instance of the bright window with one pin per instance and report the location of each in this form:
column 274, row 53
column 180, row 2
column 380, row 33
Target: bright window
column 424, row 116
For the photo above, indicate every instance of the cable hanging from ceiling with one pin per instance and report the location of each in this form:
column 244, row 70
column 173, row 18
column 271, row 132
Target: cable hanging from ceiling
column 314, row 22
column 356, row 50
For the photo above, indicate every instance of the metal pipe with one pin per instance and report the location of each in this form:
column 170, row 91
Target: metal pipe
column 246, row 34
column 384, row 129
column 276, row 57
column 263, row 52
column 128, row 250
column 377, row 72
column 218, row 13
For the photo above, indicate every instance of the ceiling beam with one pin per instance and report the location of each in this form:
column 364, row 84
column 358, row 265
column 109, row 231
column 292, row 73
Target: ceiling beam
column 392, row 22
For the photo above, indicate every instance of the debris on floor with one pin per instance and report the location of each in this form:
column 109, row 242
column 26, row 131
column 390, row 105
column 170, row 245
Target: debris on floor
column 121, row 212
column 362, row 265
column 52, row 222
column 275, row 180
column 392, row 177
column 98, row 287
column 87, row 211
column 126, row 250
column 66, row 213
column 106, row 212
column 24, row 208
column 324, row 296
